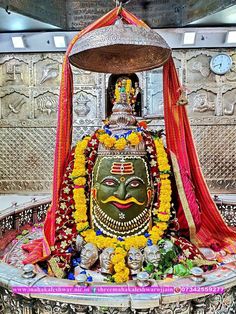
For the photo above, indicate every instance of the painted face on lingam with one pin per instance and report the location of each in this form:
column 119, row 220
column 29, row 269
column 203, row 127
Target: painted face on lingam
column 121, row 195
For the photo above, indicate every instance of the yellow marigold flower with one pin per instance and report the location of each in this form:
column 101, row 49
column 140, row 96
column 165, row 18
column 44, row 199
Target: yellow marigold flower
column 117, row 258
column 118, row 278
column 126, row 271
column 103, row 137
column 163, row 217
column 80, row 160
column 120, row 144
column 81, row 172
column 119, row 267
column 80, row 216
column 81, row 226
column 78, row 192
column 164, row 176
column 80, row 147
column 165, row 199
column 120, row 250
column 80, row 181
column 83, row 217
column 109, row 142
column 164, row 168
column 88, row 232
column 121, row 276
column 133, row 139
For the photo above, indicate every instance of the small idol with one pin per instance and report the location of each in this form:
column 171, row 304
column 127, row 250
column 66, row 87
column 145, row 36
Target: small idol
column 89, row 256
column 105, row 261
column 152, row 255
column 135, row 260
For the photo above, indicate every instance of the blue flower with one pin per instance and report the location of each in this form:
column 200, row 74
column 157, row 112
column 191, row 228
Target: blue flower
column 71, row 276
column 70, row 250
column 83, row 272
column 149, row 242
column 139, row 129
column 116, row 137
column 98, row 232
column 74, row 262
column 147, row 235
column 120, row 239
column 78, row 260
column 89, row 278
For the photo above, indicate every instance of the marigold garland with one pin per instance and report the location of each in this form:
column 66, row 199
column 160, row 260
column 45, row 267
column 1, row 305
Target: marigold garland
column 78, row 176
column 133, row 139
column 161, row 213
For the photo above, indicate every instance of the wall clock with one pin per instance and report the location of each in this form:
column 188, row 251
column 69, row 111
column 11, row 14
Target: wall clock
column 221, row 63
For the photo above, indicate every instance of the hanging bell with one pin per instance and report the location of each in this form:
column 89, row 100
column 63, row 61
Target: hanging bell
column 120, row 48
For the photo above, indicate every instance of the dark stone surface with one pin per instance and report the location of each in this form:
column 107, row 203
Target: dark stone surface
column 77, row 14
column 156, row 13
column 49, row 11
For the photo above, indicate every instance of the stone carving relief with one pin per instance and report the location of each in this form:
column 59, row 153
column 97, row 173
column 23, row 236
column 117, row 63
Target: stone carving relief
column 229, row 103
column 198, row 71
column 50, row 72
column 231, row 75
column 47, row 72
column 84, row 78
column 28, row 108
column 45, row 105
column 14, row 72
column 202, row 101
column 85, row 104
column 14, row 105
column 174, row 308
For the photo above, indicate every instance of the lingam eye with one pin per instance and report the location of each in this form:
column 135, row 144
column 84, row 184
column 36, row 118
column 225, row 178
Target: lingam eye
column 134, row 183
column 109, row 182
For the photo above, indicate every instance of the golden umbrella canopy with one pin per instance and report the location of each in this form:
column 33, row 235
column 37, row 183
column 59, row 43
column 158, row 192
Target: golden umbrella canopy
column 120, row 48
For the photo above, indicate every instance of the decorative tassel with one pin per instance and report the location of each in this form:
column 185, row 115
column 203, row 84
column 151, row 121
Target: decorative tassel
column 182, row 101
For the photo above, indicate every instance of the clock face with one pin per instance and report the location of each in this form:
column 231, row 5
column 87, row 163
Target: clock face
column 221, row 63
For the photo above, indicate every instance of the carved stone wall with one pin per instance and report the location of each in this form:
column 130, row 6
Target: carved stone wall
column 29, row 90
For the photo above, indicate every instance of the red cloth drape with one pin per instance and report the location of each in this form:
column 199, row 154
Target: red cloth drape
column 211, row 228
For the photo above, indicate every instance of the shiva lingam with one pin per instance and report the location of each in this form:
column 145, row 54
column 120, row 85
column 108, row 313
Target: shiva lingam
column 121, row 237
column 116, row 190
column 121, row 185
column 126, row 218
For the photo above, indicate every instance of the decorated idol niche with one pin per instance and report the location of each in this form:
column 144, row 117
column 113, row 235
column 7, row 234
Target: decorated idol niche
column 129, row 84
